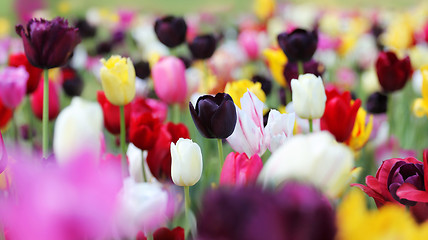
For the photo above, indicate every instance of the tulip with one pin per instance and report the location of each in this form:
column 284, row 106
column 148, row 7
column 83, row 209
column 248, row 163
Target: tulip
column 248, row 41
column 171, row 30
column 143, row 130
column 377, row 103
column 142, row 69
column 264, row 9
column 420, row 105
column 203, row 47
column 138, row 168
column 169, row 80
column 111, row 114
column 36, row 100
column 266, row 83
column 5, row 115
column 276, row 61
column 315, row 158
column 86, row 30
column 186, row 167
column 361, row 131
column 214, row 117
column 240, row 170
column 291, row 70
column 279, row 128
column 118, row 80
column 72, row 84
column 392, row 72
column 340, row 114
column 48, row 44
column 308, row 96
column 78, row 129
column 237, row 89
column 3, row 155
column 19, row 59
column 299, row 45
column 13, row 86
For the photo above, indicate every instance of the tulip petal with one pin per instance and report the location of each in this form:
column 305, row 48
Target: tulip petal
column 198, row 123
column 224, row 120
column 411, row 193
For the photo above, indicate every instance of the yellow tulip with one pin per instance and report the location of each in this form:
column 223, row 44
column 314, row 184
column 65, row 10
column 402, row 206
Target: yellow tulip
column 118, row 80
column 276, row 60
column 4, row 27
column 361, row 131
column 420, row 105
column 237, row 89
column 264, row 8
column 399, row 34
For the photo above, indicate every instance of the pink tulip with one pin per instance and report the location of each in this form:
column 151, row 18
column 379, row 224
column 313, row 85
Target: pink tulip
column 248, row 41
column 240, row 170
column 37, row 101
column 13, row 85
column 170, row 80
column 3, row 155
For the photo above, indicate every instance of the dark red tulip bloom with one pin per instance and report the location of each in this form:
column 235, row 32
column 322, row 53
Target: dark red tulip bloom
column 143, row 130
column 292, row 72
column 142, row 69
column 165, row 234
column 112, row 114
column 214, row 117
column 86, row 30
column 203, row 47
column 392, row 72
column 19, row 59
column 72, row 84
column 159, row 157
column 299, row 45
column 48, row 44
column 36, row 100
column 377, row 103
column 5, row 115
column 171, row 30
column 339, row 115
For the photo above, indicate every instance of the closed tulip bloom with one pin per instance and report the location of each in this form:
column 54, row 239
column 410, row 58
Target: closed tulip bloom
column 13, row 85
column 19, row 59
column 308, row 96
column 248, row 41
column 169, row 78
column 48, row 44
column 299, row 45
column 78, row 130
column 118, row 80
column 171, row 30
column 203, row 47
column 36, row 100
column 186, row 167
column 392, row 72
column 214, row 117
column 3, row 155
column 240, row 170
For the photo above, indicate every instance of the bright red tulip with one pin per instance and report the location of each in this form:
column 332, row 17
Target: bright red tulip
column 5, row 115
column 240, row 170
column 37, row 101
column 19, row 59
column 143, row 130
column 112, row 114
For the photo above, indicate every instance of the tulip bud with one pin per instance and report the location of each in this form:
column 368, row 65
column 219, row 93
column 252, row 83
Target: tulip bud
column 19, row 59
column 13, row 85
column 392, row 72
column 36, row 100
column 169, row 79
column 248, row 41
column 299, row 45
column 240, row 170
column 203, row 47
column 3, row 155
column 118, row 80
column 171, row 31
column 142, row 69
column 308, row 96
column 186, row 167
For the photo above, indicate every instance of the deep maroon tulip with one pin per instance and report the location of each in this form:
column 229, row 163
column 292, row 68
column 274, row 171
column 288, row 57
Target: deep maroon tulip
column 171, row 31
column 142, row 69
column 48, row 44
column 377, row 103
column 85, row 29
column 214, row 117
column 299, row 45
column 203, row 47
column 103, row 48
column 392, row 72
column 187, row 61
column 266, row 83
column 292, row 72
column 72, row 84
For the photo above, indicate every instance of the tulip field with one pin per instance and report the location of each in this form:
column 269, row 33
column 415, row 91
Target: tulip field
column 231, row 120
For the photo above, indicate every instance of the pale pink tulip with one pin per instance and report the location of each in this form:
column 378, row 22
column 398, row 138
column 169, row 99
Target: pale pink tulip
column 13, row 85
column 170, row 80
column 240, row 170
column 248, row 41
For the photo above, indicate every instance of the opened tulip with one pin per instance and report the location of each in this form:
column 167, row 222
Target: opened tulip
column 78, row 130
column 276, row 61
column 111, row 114
column 299, row 45
column 279, row 128
column 3, row 155
column 186, row 167
column 171, row 30
column 240, row 170
column 308, row 96
column 48, row 44
column 13, row 86
column 36, row 100
column 203, row 47
column 19, row 59
column 143, row 130
column 392, row 72
column 118, row 80
column 237, row 89
column 361, row 131
column 169, row 78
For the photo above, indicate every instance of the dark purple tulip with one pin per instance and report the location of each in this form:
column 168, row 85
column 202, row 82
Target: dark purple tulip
column 85, row 29
column 377, row 103
column 142, row 69
column 118, row 37
column 48, row 44
column 187, row 62
column 404, row 172
column 104, row 48
column 203, row 47
column 291, row 71
column 214, row 117
column 392, row 72
column 171, row 31
column 299, row 45
column 266, row 83
column 72, row 84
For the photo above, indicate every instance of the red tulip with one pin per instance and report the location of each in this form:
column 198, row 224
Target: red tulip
column 112, row 114
column 37, row 101
column 392, row 72
column 339, row 115
column 240, row 170
column 157, row 108
column 5, row 115
column 19, row 59
column 143, row 130
column 165, row 234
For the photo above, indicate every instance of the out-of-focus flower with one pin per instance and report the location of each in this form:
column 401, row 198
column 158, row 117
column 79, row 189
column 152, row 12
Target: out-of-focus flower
column 237, row 89
column 72, row 84
column 392, row 72
column 279, row 128
column 86, row 30
column 194, row 80
column 420, row 105
column 292, row 72
column 19, row 59
column 299, row 45
column 214, row 116
column 143, row 130
column 276, row 61
column 5, row 115
column 186, row 168
column 327, row 165
column 111, row 114
column 203, row 47
column 165, row 234
column 77, row 130
column 399, row 33
column 248, row 41
column 171, row 30
column 309, row 98
column 48, row 44
column 264, row 9
column 377, row 103
column 36, row 100
column 340, row 114
column 296, row 211
column 169, row 80
column 147, row 40
column 361, row 131
column 239, row 170
column 3, row 155
column 266, row 83
column 13, row 85
column 419, row 55
column 370, row 82
column 142, row 69
column 118, row 80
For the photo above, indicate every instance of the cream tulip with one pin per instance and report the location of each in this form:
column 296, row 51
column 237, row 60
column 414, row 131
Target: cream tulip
column 186, row 167
column 308, row 96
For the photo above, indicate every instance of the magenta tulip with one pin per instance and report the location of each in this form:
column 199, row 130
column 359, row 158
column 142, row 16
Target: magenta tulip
column 170, row 80
column 240, row 170
column 248, row 41
column 13, row 85
column 3, row 155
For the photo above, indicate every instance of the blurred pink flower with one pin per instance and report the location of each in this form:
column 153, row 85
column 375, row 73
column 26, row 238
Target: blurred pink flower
column 3, row 155
column 26, row 8
column 13, row 85
column 170, row 80
column 248, row 41
column 240, row 170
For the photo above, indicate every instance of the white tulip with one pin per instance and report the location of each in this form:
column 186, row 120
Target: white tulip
column 186, row 167
column 136, row 158
column 278, row 129
column 315, row 158
column 308, row 96
column 77, row 131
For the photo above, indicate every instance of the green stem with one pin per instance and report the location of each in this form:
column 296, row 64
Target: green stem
column 187, row 207
column 288, row 95
column 123, row 141
column 45, row 121
column 15, row 128
column 300, row 68
column 30, row 123
column 149, row 236
column 310, row 125
column 220, row 155
column 176, row 113
column 144, row 168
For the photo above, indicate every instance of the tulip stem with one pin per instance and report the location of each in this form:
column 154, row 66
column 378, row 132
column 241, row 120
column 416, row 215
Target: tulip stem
column 144, row 168
column 300, row 67
column 45, row 120
column 122, row 140
column 176, row 113
column 310, row 125
column 220, row 154
column 30, row 123
column 187, row 206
